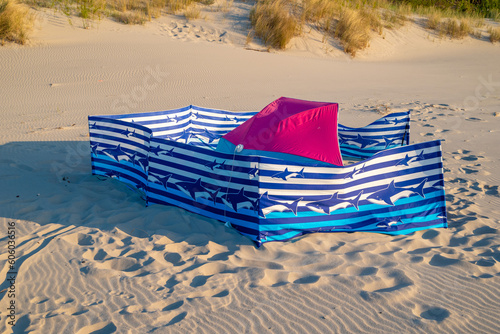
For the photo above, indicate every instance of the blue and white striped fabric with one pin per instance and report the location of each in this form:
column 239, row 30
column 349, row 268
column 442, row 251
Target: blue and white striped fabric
column 390, row 131
column 396, row 191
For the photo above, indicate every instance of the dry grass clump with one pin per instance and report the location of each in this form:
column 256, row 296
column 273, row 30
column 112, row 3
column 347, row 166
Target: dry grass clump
column 192, row 13
column 175, row 6
column 457, row 29
column 353, row 30
column 130, row 17
column 433, row 20
column 494, row 34
column 273, row 23
column 320, row 12
column 15, row 21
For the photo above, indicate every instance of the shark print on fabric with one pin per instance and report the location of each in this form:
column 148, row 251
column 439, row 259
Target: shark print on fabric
column 228, row 119
column 389, row 141
column 286, row 174
column 139, row 159
column 222, row 165
column 196, row 190
column 390, row 222
column 186, row 136
column 160, row 179
column 157, row 151
column 355, row 171
column 96, row 126
column 253, row 172
column 334, row 202
column 396, row 121
column 207, row 134
column 362, row 141
column 116, row 153
column 112, row 174
column 237, row 200
column 390, row 194
column 94, row 149
column 127, row 133
column 268, row 205
column 216, row 165
column 211, row 165
column 406, row 160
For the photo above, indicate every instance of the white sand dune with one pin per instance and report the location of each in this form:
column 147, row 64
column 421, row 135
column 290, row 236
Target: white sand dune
column 91, row 258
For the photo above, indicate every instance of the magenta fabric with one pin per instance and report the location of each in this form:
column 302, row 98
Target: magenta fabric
column 299, row 127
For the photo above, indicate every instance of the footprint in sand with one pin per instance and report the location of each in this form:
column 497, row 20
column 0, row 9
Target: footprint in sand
column 101, row 327
column 433, row 313
column 388, row 282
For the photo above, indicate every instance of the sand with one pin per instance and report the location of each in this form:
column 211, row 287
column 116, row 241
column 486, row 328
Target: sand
column 91, row 258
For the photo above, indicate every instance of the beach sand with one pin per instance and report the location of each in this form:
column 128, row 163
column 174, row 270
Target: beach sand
column 91, row 258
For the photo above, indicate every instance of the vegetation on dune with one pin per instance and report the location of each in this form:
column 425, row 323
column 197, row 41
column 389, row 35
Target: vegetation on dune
column 15, row 21
column 494, row 34
column 351, row 22
column 274, row 22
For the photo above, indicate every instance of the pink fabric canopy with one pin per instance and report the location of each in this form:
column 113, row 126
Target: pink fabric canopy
column 303, row 128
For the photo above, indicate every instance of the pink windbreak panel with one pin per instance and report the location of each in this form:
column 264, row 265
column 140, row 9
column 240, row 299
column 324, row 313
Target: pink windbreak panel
column 303, row 128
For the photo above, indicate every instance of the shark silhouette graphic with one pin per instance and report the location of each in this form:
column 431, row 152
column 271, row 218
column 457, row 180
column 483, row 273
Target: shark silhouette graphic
column 334, row 202
column 141, row 160
column 286, row 174
column 355, row 171
column 127, row 133
column 196, row 190
column 253, row 172
column 351, row 174
column 389, row 222
column 157, row 151
column 210, row 135
column 112, row 174
column 390, row 141
column 363, row 141
column 343, row 139
column 407, row 159
column 238, row 120
column 238, row 199
column 96, row 126
column 168, row 119
column 390, row 194
column 186, row 135
column 396, row 121
column 213, row 164
column 222, row 165
column 268, row 205
column 160, row 179
column 94, row 149
column 170, row 152
column 116, row 153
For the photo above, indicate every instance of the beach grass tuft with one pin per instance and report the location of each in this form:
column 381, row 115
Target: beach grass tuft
column 192, row 12
column 353, row 31
column 16, row 21
column 130, row 17
column 273, row 22
column 494, row 34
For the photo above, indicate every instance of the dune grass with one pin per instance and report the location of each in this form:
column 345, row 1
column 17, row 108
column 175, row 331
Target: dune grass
column 494, row 34
column 273, row 22
column 15, row 22
column 354, row 22
column 276, row 22
column 353, row 31
column 192, row 12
